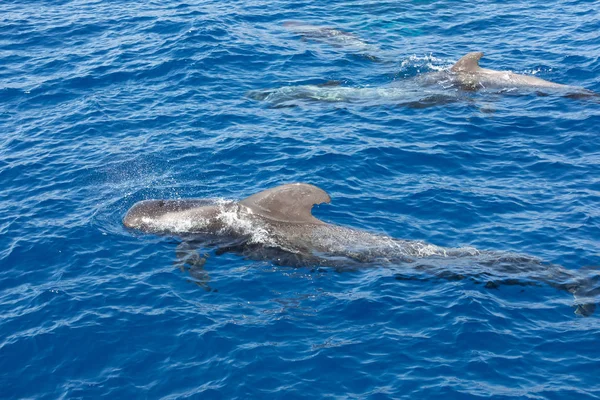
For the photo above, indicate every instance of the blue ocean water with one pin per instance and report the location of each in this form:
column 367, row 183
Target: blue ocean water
column 105, row 103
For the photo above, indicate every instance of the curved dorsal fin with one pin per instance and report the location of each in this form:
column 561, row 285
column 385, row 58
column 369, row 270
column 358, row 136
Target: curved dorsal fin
column 468, row 63
column 287, row 203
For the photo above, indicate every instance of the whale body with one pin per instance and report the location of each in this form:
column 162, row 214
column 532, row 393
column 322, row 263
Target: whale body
column 466, row 74
column 280, row 217
column 277, row 225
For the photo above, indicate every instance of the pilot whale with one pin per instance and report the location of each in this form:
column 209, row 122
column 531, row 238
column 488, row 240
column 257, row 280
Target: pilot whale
column 277, row 225
column 428, row 89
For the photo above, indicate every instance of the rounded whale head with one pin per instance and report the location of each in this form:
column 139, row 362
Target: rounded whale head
column 156, row 216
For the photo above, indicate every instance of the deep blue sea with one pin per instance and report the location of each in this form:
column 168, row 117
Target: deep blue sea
column 106, row 103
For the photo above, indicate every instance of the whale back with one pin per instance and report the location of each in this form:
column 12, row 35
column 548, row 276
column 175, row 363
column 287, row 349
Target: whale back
column 288, row 203
column 468, row 63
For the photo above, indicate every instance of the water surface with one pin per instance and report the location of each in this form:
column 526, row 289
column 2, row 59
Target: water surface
column 103, row 104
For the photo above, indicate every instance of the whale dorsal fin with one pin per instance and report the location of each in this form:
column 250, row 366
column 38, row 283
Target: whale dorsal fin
column 287, row 203
column 468, row 63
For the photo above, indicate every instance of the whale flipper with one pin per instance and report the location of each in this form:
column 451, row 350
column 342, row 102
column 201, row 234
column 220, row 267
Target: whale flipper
column 188, row 259
column 288, row 203
column 468, row 63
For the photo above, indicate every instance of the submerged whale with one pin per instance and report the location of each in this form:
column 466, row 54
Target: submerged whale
column 334, row 37
column 433, row 88
column 277, row 225
column 409, row 93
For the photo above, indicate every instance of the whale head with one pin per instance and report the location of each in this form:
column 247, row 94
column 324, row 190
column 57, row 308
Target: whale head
column 171, row 216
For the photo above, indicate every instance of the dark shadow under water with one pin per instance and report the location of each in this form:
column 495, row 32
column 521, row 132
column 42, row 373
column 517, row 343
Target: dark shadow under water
column 490, row 269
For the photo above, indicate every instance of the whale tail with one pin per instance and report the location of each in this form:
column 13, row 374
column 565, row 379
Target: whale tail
column 587, row 291
column 584, row 94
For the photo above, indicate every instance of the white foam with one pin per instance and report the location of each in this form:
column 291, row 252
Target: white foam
column 535, row 71
column 430, row 62
column 236, row 221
